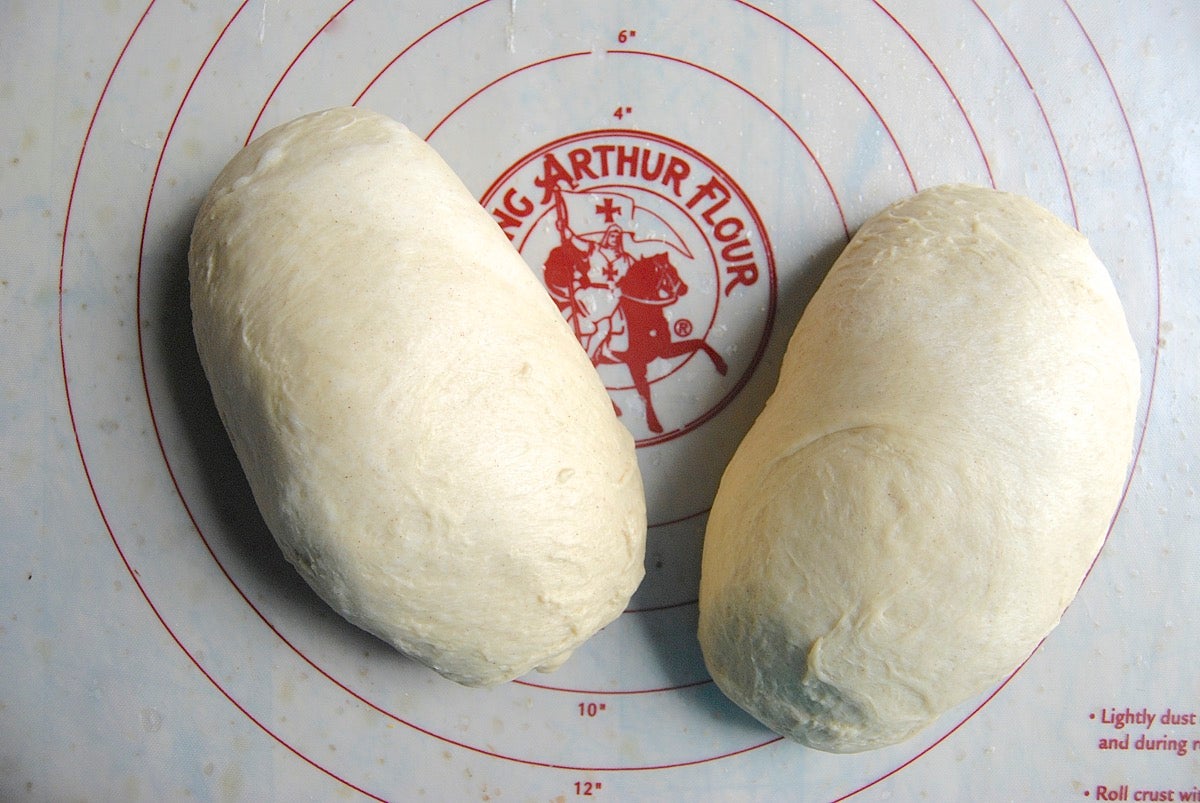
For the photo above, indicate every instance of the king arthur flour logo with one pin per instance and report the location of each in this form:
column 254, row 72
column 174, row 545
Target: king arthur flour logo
column 658, row 262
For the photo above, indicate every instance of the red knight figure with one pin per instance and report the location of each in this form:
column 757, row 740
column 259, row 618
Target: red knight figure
column 653, row 252
column 597, row 293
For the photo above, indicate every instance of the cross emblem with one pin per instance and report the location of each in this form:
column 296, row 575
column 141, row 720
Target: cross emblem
column 609, row 210
column 610, row 272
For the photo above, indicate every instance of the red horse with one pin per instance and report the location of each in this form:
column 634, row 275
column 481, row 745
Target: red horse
column 651, row 285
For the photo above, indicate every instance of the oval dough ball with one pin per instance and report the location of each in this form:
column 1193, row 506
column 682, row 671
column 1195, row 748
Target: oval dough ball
column 427, row 441
column 932, row 477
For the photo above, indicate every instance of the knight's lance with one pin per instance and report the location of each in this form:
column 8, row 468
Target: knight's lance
column 560, row 209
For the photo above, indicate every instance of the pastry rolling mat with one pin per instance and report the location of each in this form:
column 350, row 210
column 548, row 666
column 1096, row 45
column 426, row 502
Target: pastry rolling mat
column 154, row 645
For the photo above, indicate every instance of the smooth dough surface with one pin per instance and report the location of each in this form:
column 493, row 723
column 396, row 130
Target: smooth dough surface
column 932, row 478
column 427, row 441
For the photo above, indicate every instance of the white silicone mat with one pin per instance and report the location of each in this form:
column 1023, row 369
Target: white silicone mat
column 153, row 643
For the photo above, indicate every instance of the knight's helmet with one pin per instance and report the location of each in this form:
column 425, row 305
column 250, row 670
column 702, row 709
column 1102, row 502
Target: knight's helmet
column 614, row 237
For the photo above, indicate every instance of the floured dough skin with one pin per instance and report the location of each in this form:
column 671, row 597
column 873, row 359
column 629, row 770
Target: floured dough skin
column 427, row 441
column 931, row 479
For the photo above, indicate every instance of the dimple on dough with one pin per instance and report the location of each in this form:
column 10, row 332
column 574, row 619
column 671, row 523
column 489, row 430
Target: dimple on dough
column 932, row 478
column 427, row 441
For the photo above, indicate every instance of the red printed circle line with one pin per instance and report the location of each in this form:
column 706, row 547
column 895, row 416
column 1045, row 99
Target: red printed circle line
column 680, row 519
column 358, row 98
column 1041, row 110
column 942, row 76
column 769, row 318
column 947, row 734
column 813, row 45
column 669, row 606
column 734, row 84
column 78, row 440
column 616, row 692
column 283, row 76
column 1137, row 155
column 262, row 109
column 75, row 427
column 779, row 117
column 833, row 62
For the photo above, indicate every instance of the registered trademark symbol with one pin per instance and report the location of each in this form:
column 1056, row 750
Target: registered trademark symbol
column 683, row 327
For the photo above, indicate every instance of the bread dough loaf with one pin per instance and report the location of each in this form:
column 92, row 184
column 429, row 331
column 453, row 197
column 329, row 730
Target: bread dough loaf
column 424, row 436
column 931, row 479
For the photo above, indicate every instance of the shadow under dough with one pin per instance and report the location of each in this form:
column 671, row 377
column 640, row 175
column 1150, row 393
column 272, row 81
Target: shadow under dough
column 679, row 654
column 219, row 501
